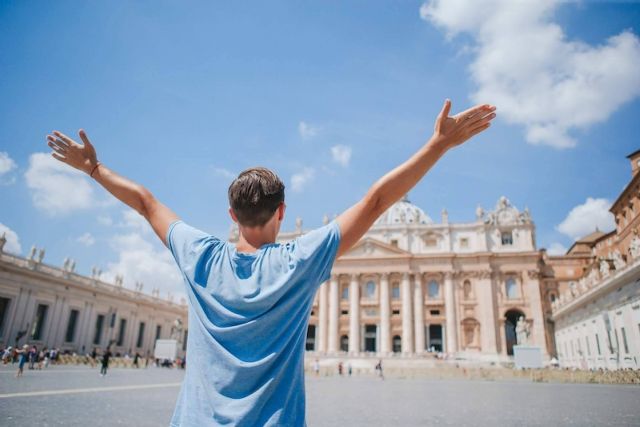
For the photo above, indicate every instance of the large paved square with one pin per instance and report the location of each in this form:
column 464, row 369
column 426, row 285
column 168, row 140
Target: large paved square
column 78, row 396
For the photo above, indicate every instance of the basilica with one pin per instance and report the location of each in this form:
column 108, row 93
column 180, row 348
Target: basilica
column 412, row 286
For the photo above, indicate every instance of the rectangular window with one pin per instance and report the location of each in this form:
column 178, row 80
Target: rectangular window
column 158, row 332
column 624, row 341
column 586, row 340
column 38, row 323
column 394, row 243
column 4, row 309
column 609, row 340
column 464, row 243
column 434, row 312
column 615, row 331
column 507, row 238
column 598, row 344
column 344, row 312
column 345, row 292
column 396, row 312
column 71, row 326
column 121, row 332
column 140, row 340
column 395, row 291
column 184, row 343
column 97, row 336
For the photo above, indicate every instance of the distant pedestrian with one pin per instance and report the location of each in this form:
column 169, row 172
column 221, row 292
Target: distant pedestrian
column 340, row 368
column 6, row 355
column 349, row 369
column 22, row 355
column 93, row 357
column 316, row 367
column 379, row 369
column 136, row 360
column 105, row 362
column 33, row 355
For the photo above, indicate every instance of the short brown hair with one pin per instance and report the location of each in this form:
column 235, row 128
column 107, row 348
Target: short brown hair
column 255, row 195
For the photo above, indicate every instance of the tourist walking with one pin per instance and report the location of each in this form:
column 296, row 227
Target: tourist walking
column 379, row 369
column 316, row 367
column 250, row 300
column 22, row 359
column 105, row 362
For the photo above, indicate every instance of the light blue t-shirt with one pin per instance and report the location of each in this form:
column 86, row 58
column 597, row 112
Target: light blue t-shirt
column 248, row 319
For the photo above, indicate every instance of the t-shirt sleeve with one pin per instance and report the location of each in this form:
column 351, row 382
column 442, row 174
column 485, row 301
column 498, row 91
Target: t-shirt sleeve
column 188, row 245
column 315, row 252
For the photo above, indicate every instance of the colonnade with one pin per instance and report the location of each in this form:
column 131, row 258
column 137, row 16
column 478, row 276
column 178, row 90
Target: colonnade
column 412, row 312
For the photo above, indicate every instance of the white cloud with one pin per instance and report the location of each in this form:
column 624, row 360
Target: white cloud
column 105, row 220
column 57, row 188
column 132, row 219
column 225, row 173
column 525, row 65
column 341, row 154
column 13, row 241
column 139, row 260
column 6, row 165
column 299, row 180
column 556, row 249
column 86, row 239
column 307, row 131
column 583, row 219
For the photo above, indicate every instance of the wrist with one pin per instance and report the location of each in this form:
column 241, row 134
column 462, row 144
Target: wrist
column 93, row 169
column 439, row 144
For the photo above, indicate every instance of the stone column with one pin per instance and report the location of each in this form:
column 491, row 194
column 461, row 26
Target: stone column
column 354, row 315
column 407, row 318
column 532, row 287
column 385, row 315
column 450, row 313
column 322, row 317
column 334, row 315
column 418, row 306
column 486, row 300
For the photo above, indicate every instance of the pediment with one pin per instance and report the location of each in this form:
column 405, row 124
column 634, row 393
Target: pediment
column 369, row 247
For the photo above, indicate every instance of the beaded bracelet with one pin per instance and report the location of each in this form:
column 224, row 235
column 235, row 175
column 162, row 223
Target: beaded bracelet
column 94, row 169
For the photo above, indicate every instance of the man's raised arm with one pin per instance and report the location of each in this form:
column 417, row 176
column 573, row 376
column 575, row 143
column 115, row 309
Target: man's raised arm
column 84, row 158
column 448, row 133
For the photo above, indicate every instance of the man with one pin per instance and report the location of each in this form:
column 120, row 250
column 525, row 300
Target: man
column 249, row 302
column 105, row 362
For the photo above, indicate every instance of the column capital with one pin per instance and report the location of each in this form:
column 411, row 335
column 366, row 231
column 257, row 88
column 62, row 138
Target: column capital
column 448, row 275
column 384, row 276
column 354, row 276
column 335, row 277
column 405, row 275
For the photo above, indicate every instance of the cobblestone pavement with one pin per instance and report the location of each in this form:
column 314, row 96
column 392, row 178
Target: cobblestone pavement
column 78, row 396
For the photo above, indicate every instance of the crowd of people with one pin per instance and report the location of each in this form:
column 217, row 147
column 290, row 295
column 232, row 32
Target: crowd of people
column 29, row 355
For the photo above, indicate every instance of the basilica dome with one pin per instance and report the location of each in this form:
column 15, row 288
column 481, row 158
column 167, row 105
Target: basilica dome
column 403, row 212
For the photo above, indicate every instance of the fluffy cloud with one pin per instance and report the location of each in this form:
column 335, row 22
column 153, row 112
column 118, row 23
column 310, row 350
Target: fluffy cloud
column 299, row 180
column 6, row 165
column 13, row 242
column 524, row 64
column 341, row 154
column 307, row 131
column 86, row 239
column 583, row 219
column 224, row 173
column 140, row 260
column 556, row 249
column 57, row 188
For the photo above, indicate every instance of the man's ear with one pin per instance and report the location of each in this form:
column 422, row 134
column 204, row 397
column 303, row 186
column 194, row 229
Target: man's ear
column 281, row 210
column 233, row 215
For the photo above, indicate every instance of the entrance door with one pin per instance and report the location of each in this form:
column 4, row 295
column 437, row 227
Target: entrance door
column 435, row 337
column 510, row 322
column 370, row 338
column 310, row 344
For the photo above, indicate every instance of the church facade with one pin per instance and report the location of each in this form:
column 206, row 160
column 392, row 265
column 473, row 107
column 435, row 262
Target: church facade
column 412, row 286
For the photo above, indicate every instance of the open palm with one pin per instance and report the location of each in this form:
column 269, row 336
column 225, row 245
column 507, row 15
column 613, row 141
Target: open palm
column 65, row 149
column 454, row 130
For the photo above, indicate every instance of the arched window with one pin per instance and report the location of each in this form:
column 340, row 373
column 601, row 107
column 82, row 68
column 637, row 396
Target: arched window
column 370, row 290
column 511, row 288
column 345, row 292
column 552, row 297
column 468, row 291
column 434, row 289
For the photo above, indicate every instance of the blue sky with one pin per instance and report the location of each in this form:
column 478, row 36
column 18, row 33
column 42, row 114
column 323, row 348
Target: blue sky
column 180, row 95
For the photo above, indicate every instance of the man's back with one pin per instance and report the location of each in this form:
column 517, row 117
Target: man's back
column 248, row 316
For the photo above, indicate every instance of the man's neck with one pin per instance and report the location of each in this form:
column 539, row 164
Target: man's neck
column 252, row 243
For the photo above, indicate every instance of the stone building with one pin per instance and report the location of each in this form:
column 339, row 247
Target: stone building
column 411, row 285
column 595, row 305
column 55, row 307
